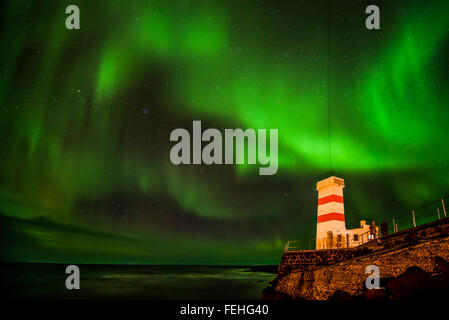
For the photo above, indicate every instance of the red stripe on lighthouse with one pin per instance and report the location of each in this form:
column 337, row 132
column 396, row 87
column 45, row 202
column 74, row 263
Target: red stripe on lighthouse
column 331, row 216
column 330, row 198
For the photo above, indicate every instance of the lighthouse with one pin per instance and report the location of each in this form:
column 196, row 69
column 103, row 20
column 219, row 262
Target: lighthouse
column 331, row 232
column 331, row 212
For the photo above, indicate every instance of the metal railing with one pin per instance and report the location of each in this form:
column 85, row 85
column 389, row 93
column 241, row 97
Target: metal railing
column 429, row 212
column 296, row 245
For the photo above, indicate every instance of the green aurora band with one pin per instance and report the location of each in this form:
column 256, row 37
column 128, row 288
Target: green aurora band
column 86, row 116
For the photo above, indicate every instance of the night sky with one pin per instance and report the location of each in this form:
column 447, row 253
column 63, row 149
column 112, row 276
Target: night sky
column 86, row 116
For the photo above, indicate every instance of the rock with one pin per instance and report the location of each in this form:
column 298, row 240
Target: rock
column 375, row 294
column 441, row 280
column 382, row 283
column 269, row 293
column 413, row 283
column 273, row 295
column 342, row 295
column 441, row 266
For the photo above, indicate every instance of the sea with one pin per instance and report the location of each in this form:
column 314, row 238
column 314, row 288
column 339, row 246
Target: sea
column 47, row 281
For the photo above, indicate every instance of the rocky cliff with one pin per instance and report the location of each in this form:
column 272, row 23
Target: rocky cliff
column 413, row 256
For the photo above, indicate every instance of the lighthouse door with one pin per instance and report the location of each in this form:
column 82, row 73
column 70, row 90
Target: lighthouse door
column 330, row 240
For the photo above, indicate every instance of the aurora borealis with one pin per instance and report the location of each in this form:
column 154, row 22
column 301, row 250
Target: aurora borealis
column 86, row 116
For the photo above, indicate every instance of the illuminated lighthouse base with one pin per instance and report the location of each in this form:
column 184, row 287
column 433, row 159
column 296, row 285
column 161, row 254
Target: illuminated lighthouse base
column 331, row 228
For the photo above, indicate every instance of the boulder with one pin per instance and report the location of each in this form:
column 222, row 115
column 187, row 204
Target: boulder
column 413, row 283
column 441, row 279
column 441, row 266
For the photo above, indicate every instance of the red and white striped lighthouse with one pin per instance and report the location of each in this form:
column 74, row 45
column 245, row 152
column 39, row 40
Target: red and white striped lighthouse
column 331, row 210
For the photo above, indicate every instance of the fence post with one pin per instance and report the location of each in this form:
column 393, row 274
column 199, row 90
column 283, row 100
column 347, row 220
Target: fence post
column 438, row 210
column 414, row 220
column 394, row 226
column 444, row 209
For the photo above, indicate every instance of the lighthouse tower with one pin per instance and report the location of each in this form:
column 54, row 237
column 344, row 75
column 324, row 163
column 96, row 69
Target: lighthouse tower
column 331, row 212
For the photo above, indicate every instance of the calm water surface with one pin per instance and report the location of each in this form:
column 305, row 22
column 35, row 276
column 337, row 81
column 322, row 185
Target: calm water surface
column 135, row 282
